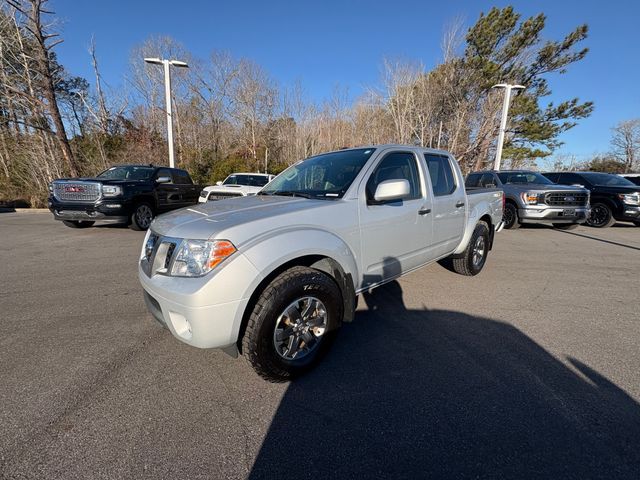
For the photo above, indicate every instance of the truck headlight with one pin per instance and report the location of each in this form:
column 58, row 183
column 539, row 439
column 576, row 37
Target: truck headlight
column 198, row 257
column 111, row 190
column 530, row 198
column 203, row 194
column 630, row 198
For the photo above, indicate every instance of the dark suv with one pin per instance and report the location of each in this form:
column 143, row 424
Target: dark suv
column 612, row 197
column 129, row 194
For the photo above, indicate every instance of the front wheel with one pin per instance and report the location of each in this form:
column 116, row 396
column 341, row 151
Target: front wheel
column 78, row 223
column 510, row 217
column 601, row 216
column 141, row 217
column 471, row 261
column 565, row 226
column 293, row 323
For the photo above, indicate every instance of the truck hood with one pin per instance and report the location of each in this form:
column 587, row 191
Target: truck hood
column 103, row 181
column 519, row 187
column 615, row 189
column 239, row 219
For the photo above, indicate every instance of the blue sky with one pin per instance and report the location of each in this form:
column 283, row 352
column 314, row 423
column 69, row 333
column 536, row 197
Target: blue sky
column 327, row 43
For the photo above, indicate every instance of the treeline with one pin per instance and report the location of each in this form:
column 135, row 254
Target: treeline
column 229, row 114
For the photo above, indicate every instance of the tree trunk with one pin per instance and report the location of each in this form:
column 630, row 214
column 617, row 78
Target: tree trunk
column 48, row 88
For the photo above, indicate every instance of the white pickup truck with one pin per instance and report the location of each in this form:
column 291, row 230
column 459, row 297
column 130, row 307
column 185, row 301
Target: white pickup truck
column 274, row 275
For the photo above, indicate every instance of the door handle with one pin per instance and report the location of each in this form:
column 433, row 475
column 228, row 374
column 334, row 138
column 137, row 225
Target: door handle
column 424, row 211
column 459, row 204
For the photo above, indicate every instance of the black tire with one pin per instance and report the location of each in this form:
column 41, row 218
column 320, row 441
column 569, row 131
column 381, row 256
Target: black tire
column 566, row 226
column 289, row 291
column 601, row 216
column 141, row 217
column 78, row 223
column 637, row 224
column 472, row 260
column 510, row 216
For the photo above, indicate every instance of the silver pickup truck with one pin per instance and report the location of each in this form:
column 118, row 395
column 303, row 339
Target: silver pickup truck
column 530, row 197
column 274, row 275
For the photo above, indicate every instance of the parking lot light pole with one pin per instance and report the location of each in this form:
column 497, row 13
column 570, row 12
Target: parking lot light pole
column 503, row 121
column 167, row 92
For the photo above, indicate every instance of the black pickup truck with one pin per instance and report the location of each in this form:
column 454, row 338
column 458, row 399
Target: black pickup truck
column 612, row 197
column 128, row 194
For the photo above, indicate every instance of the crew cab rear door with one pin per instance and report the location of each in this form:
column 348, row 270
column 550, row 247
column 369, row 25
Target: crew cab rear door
column 168, row 193
column 395, row 235
column 449, row 209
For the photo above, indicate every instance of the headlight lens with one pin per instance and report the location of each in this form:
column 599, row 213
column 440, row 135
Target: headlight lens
column 198, row 257
column 630, row 198
column 111, row 190
column 203, row 194
column 530, row 198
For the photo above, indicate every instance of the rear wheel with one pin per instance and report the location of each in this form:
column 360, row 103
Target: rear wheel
column 141, row 217
column 565, row 226
column 601, row 216
column 78, row 223
column 471, row 261
column 292, row 324
column 510, row 217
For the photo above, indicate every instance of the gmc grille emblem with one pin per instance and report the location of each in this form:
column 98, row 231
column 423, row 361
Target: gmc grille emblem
column 74, row 189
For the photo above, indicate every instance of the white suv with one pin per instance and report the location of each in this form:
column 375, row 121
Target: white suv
column 236, row 185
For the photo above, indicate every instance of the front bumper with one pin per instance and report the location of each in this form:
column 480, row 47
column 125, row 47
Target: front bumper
column 629, row 213
column 112, row 210
column 204, row 312
column 553, row 215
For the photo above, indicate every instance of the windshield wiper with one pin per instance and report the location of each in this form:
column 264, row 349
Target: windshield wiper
column 292, row 193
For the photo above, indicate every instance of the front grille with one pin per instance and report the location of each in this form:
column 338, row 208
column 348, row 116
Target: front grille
column 223, row 195
column 566, row 199
column 158, row 254
column 86, row 192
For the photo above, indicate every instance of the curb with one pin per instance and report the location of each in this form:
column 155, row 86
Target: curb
column 23, row 210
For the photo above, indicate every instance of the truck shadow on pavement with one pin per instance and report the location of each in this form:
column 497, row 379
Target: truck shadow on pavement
column 441, row 394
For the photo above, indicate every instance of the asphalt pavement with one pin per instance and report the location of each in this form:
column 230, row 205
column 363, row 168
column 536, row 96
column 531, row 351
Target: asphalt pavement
column 529, row 370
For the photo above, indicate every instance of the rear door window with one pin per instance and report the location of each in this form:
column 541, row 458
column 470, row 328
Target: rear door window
column 473, row 180
column 441, row 173
column 488, row 181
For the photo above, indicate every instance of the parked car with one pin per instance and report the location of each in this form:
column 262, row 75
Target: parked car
column 129, row 194
column 532, row 198
column 632, row 177
column 275, row 274
column 236, row 185
column 612, row 197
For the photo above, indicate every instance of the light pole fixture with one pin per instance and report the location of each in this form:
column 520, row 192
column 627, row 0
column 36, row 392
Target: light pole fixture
column 503, row 121
column 167, row 93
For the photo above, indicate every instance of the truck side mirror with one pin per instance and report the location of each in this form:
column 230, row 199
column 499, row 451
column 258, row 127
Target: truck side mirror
column 389, row 190
column 163, row 179
column 218, row 183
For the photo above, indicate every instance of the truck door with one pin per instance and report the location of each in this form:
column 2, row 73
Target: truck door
column 395, row 235
column 168, row 193
column 449, row 209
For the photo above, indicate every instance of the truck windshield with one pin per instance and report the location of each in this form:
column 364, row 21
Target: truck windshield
column 524, row 177
column 605, row 179
column 247, row 180
column 127, row 173
column 326, row 176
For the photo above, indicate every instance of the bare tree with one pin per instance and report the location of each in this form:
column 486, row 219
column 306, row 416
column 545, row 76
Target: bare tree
column 33, row 11
column 625, row 143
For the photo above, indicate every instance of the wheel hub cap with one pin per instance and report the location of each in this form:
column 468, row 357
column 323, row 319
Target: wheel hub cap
column 299, row 328
column 479, row 248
